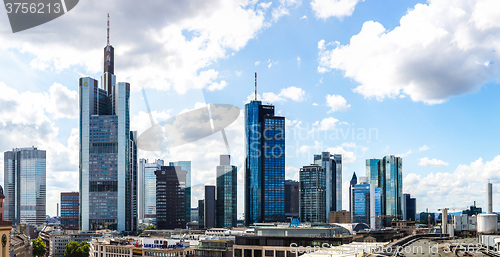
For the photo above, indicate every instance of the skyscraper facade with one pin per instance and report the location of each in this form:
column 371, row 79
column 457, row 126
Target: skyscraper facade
column 70, row 209
column 366, row 203
column 332, row 165
column 387, row 173
column 25, row 186
column 209, row 207
column 409, row 208
column 312, row 203
column 353, row 182
column 146, row 189
column 186, row 165
column 264, row 164
column 292, row 189
column 108, row 153
column 170, row 197
column 227, row 190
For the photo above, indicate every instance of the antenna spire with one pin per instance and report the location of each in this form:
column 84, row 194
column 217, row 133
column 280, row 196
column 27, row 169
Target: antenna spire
column 108, row 30
column 256, row 86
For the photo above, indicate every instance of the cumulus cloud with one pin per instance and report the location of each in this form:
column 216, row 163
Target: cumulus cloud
column 458, row 188
column 326, row 123
column 337, row 103
column 423, row 148
column 426, row 162
column 324, row 9
column 290, row 93
column 441, row 49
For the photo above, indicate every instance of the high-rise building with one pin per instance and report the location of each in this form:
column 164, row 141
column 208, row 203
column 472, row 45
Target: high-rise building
column 227, row 190
column 366, row 203
column 70, row 210
column 186, row 165
column 201, row 214
column 409, row 208
column 353, row 182
column 387, row 173
column 209, row 207
column 170, row 197
column 146, row 189
column 292, row 189
column 25, row 186
column 332, row 165
column 312, row 194
column 264, row 164
column 108, row 153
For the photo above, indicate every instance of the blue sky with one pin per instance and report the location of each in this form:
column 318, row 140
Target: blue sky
column 417, row 79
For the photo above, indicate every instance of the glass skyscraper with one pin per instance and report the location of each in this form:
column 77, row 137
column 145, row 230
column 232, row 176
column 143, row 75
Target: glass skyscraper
column 186, row 165
column 226, row 203
column 332, row 165
column 387, row 173
column 312, row 203
column 25, row 186
column 264, row 164
column 146, row 189
column 171, row 197
column 366, row 204
column 409, row 208
column 108, row 153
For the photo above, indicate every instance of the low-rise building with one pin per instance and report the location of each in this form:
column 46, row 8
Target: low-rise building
column 214, row 248
column 126, row 248
column 20, row 246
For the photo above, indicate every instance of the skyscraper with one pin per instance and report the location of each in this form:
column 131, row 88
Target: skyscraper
column 209, row 207
column 25, row 185
column 264, row 164
column 409, row 208
column 186, row 165
column 366, row 203
column 226, row 203
column 332, row 165
column 170, row 197
column 354, row 181
column 387, row 173
column 108, row 153
column 292, row 198
column 312, row 203
column 70, row 202
column 146, row 189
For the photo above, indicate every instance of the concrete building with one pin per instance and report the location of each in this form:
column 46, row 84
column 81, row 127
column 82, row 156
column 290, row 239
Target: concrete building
column 126, row 248
column 264, row 164
column 25, row 186
column 214, row 248
column 108, row 153
column 5, row 230
column 70, row 210
column 170, row 197
column 339, row 217
column 227, row 193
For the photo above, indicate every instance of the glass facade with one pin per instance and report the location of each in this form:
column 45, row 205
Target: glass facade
column 332, row 164
column 108, row 155
column 226, row 203
column 69, row 210
column 170, row 197
column 264, row 164
column 362, row 203
column 146, row 193
column 312, row 202
column 186, row 165
column 25, row 186
column 409, row 208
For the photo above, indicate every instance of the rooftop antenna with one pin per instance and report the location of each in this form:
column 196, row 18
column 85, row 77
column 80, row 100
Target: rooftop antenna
column 108, row 30
column 256, row 86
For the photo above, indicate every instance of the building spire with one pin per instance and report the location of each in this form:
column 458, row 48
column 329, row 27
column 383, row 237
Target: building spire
column 108, row 30
column 256, row 86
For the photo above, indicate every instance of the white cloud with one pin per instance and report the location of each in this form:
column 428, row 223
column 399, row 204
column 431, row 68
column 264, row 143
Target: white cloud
column 284, row 8
column 337, row 103
column 314, row 104
column 423, row 148
column 455, row 189
column 326, row 124
column 217, row 86
column 405, row 154
column 270, row 63
column 62, row 102
column 290, row 93
column 324, row 9
column 439, row 50
column 299, row 61
column 426, row 162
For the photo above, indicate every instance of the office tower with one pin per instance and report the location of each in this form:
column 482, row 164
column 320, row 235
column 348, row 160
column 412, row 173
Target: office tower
column 366, row 203
column 332, row 165
column 194, row 214
column 201, row 214
column 108, row 153
column 354, row 181
column 170, row 197
column 292, row 189
column 186, row 165
column 264, row 164
column 409, row 208
column 146, row 189
column 312, row 194
column 25, row 185
column 70, row 210
column 226, row 203
column 209, row 207
column 386, row 173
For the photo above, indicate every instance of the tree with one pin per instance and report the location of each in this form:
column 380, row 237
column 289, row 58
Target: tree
column 151, row 227
column 38, row 247
column 75, row 249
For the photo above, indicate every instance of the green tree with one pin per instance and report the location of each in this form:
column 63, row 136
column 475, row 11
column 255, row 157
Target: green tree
column 38, row 247
column 75, row 249
column 151, row 227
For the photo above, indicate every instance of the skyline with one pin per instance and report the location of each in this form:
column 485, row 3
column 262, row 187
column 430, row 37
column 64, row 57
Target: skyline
column 447, row 134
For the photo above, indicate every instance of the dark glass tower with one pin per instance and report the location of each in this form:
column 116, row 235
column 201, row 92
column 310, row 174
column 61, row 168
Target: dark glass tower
column 312, row 194
column 108, row 153
column 226, row 193
column 264, row 164
column 170, row 197
column 70, row 202
column 292, row 189
column 332, row 166
column 409, row 208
